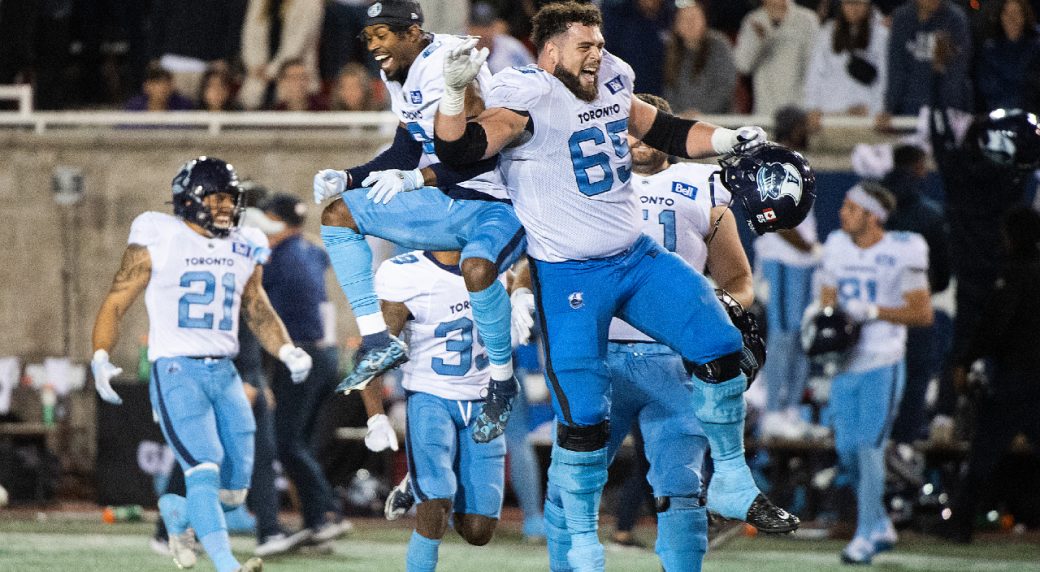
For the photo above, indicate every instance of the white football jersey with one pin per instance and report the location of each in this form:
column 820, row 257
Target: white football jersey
column 195, row 290
column 880, row 275
column 446, row 355
column 416, row 100
column 675, row 207
column 570, row 182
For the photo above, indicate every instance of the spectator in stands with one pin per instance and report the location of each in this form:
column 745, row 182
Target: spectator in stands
column 354, row 90
column 506, row 51
column 294, row 89
column 785, row 262
column 917, row 213
column 215, row 91
column 189, row 37
column 1007, row 402
column 294, row 279
column 517, row 15
column 635, row 31
column 1006, row 57
column 340, row 37
column 274, row 32
column 774, row 47
column 929, row 48
column 848, row 66
column 158, row 93
column 699, row 73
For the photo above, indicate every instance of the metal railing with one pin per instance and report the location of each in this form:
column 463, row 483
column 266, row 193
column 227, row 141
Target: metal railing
column 20, row 93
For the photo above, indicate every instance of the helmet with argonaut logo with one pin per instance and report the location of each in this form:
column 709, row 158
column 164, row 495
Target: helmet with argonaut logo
column 198, row 179
column 775, row 184
column 1008, row 137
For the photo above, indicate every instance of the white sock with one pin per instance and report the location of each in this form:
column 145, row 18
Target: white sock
column 371, row 324
column 502, row 372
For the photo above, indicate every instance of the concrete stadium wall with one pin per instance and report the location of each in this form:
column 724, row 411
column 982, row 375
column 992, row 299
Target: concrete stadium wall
column 127, row 172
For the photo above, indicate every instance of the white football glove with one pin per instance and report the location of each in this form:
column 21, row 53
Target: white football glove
column 386, row 184
column 725, row 141
column 522, row 320
column 329, row 183
column 380, row 434
column 297, row 360
column 860, row 311
column 104, row 371
column 461, row 65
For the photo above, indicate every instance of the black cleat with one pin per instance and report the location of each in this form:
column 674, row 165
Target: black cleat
column 497, row 407
column 767, row 517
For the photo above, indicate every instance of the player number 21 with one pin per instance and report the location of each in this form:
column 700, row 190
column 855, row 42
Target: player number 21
column 205, row 298
column 599, row 161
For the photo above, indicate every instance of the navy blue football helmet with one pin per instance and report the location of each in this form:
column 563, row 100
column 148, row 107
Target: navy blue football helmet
column 775, row 184
column 1008, row 137
column 196, row 180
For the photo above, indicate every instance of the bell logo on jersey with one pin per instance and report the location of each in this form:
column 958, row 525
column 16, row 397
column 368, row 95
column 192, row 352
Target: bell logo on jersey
column 415, row 96
column 779, row 179
column 615, row 85
column 576, row 300
column 685, row 190
column 241, row 248
column 375, row 9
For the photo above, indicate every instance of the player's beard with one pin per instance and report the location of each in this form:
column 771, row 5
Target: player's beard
column 573, row 83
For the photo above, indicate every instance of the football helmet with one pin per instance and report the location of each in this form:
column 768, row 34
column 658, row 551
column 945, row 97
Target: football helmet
column 754, row 351
column 828, row 333
column 1007, row 137
column 198, row 179
column 775, row 184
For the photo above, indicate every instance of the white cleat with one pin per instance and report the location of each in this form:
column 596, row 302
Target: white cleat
column 182, row 549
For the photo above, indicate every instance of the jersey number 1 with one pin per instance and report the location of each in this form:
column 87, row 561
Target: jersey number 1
column 205, row 298
column 582, row 163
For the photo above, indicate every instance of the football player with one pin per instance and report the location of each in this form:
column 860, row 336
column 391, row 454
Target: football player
column 469, row 211
column 199, row 272
column 561, row 127
column 424, row 299
column 880, row 280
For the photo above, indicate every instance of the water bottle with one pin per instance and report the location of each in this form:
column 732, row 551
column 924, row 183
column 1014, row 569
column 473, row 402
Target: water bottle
column 125, row 513
column 48, row 398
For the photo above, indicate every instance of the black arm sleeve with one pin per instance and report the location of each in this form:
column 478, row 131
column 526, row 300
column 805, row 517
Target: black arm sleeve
column 468, row 149
column 403, row 153
column 669, row 133
column 448, row 176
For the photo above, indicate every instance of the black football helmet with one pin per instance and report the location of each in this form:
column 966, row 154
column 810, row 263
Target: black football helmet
column 1007, row 137
column 775, row 184
column 753, row 356
column 828, row 334
column 196, row 180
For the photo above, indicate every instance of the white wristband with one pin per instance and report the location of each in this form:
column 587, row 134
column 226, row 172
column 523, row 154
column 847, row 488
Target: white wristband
column 722, row 140
column 284, row 350
column 452, row 102
column 100, row 356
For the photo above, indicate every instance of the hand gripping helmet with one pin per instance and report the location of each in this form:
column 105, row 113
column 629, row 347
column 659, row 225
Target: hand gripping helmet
column 198, row 179
column 828, row 333
column 776, row 186
column 753, row 354
column 1010, row 138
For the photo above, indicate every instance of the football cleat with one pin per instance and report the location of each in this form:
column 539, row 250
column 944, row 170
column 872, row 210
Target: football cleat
column 497, row 407
column 182, row 548
column 254, row 564
column 886, row 539
column 859, row 551
column 373, row 363
column 767, row 517
column 400, row 499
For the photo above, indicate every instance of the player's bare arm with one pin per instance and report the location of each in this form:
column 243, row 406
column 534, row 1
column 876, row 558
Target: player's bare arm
column 260, row 316
column 828, row 296
column 727, row 263
column 916, row 312
column 131, row 279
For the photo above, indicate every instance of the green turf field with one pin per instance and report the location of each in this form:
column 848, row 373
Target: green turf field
column 81, row 546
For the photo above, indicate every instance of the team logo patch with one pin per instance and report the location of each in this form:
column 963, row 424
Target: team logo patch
column 415, row 96
column 776, row 180
column 241, row 248
column 615, row 85
column 685, row 190
column 375, row 9
column 576, row 300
